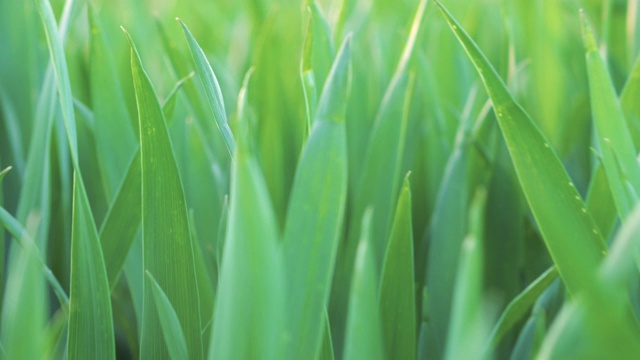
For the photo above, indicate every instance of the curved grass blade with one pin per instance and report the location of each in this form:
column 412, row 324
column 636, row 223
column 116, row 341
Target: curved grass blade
column 531, row 337
column 171, row 328
column 249, row 310
column 211, row 88
column 397, row 287
column 570, row 234
column 316, row 212
column 616, row 143
column 24, row 240
column 167, row 247
column 520, row 305
column 364, row 327
column 169, row 105
column 90, row 319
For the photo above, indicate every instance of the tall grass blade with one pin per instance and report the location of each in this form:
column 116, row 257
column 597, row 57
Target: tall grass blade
column 249, row 311
column 316, row 212
column 397, row 288
column 167, row 247
column 364, row 339
column 570, row 234
column 90, row 319
column 211, row 87
column 616, row 143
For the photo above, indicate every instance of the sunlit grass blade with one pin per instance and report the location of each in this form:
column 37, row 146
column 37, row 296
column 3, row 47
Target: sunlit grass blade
column 90, row 320
column 520, row 305
column 600, row 202
column 397, row 288
column 612, row 132
column 211, row 88
column 364, row 339
column 630, row 105
column 167, row 247
column 171, row 328
column 316, row 212
column 565, row 223
column 249, row 312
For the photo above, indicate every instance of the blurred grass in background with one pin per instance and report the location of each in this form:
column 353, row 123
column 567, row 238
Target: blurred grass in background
column 319, row 179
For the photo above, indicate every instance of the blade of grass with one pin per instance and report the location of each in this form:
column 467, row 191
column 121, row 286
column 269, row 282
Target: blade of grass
column 171, row 328
column 167, row 247
column 611, row 128
column 397, row 292
column 249, row 310
column 316, row 212
column 211, row 87
column 90, row 320
column 22, row 332
column 364, row 338
column 468, row 316
column 520, row 305
column 566, row 225
column 115, row 138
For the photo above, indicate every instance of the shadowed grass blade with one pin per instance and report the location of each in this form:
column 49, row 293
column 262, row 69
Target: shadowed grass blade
column 90, row 320
column 519, row 306
column 570, row 234
column 171, row 328
column 397, row 288
column 249, row 311
column 167, row 248
column 316, row 212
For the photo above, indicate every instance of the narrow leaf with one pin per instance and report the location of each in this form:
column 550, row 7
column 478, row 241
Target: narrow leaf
column 90, row 320
column 570, row 234
column 167, row 247
column 171, row 328
column 316, row 212
column 397, row 289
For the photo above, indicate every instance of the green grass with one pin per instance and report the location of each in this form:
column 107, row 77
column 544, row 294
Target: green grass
column 319, row 179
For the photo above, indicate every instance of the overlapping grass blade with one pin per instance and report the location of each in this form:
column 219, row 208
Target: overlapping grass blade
column 520, row 305
column 384, row 150
column 397, row 288
column 171, row 328
column 90, row 320
column 115, row 138
column 249, row 311
column 531, row 337
column 167, row 247
column 570, row 234
column 581, row 329
column 468, row 313
column 211, row 88
column 612, row 132
column 326, row 349
column 122, row 221
column 316, row 212
column 364, row 339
